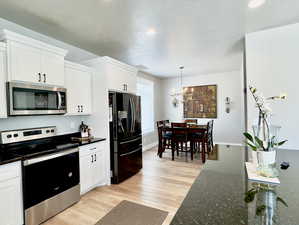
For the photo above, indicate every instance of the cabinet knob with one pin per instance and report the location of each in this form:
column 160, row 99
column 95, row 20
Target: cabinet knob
column 81, row 108
column 39, row 77
column 45, row 78
column 91, row 158
column 95, row 157
column 78, row 108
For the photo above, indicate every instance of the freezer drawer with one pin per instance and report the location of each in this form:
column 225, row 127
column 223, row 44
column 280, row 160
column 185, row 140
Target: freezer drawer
column 128, row 165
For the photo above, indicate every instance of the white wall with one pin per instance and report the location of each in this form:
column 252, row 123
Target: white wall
column 151, row 139
column 273, row 67
column 64, row 124
column 227, row 126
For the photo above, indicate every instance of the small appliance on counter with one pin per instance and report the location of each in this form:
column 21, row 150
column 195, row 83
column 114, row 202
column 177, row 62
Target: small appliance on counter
column 125, row 135
column 85, row 132
column 50, row 171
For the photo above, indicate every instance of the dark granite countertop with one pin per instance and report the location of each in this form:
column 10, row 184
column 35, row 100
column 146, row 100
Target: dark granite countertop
column 94, row 140
column 217, row 196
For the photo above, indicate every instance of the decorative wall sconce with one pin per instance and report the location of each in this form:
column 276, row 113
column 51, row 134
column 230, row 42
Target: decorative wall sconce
column 227, row 104
column 175, row 102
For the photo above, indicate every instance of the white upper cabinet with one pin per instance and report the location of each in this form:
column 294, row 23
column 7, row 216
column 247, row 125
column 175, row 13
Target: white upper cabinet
column 78, row 85
column 3, row 75
column 53, row 68
column 25, row 63
column 29, row 60
column 120, row 76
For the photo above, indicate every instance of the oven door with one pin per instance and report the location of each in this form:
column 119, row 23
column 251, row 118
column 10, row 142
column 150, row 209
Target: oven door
column 49, row 175
column 28, row 99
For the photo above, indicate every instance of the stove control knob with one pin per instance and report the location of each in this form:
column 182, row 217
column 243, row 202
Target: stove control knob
column 52, row 131
column 47, row 131
column 9, row 136
column 15, row 135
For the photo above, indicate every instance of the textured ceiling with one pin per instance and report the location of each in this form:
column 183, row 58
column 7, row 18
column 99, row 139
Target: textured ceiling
column 203, row 35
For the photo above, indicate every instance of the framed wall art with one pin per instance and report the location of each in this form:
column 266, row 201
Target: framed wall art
column 200, row 101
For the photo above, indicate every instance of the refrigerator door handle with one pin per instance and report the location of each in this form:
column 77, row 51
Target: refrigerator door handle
column 130, row 153
column 134, row 117
column 132, row 114
column 125, row 142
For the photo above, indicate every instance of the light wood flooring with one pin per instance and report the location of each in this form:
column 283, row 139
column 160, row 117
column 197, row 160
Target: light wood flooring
column 162, row 184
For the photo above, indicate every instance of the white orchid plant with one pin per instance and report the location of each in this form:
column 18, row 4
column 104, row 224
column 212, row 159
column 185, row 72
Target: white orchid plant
column 263, row 105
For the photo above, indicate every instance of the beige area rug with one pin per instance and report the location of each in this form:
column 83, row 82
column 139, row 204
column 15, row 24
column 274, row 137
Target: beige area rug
column 130, row 213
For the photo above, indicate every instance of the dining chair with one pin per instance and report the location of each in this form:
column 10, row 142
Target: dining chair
column 166, row 122
column 173, row 125
column 164, row 138
column 180, row 140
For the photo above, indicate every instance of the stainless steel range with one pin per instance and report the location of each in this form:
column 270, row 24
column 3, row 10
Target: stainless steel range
column 51, row 181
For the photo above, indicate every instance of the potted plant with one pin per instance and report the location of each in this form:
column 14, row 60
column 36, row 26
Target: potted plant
column 264, row 140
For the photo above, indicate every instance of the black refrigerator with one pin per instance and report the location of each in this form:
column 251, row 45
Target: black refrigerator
column 125, row 135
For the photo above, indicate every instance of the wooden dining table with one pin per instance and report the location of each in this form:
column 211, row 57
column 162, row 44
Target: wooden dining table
column 190, row 130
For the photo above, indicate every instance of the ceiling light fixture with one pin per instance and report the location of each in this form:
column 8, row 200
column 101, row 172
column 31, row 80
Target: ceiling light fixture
column 151, row 31
column 256, row 3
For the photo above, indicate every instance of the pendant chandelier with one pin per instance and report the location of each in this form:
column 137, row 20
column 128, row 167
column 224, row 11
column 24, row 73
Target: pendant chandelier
column 178, row 95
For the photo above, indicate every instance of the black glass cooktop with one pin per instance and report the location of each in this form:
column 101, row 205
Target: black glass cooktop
column 34, row 148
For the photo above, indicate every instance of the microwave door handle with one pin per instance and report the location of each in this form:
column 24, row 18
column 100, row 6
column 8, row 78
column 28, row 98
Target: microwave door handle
column 59, row 100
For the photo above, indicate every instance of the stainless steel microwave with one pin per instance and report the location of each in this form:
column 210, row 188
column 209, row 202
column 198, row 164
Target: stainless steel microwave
column 29, row 99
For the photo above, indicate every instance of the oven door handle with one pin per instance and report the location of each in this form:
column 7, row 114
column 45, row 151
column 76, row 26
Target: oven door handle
column 48, row 157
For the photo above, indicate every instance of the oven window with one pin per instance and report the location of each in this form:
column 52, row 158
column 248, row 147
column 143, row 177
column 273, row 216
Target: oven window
column 31, row 99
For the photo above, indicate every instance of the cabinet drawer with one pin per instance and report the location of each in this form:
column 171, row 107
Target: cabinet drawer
column 10, row 171
column 91, row 148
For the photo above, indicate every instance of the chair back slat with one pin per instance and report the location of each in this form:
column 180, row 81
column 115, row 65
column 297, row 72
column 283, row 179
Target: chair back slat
column 174, row 125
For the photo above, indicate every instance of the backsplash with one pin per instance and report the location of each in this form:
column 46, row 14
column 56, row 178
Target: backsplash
column 64, row 124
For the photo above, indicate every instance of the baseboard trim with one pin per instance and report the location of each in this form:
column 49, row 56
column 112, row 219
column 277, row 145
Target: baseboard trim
column 226, row 143
column 147, row 147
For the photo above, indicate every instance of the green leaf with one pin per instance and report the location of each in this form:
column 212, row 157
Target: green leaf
column 248, row 136
column 281, row 143
column 254, row 148
column 260, row 210
column 282, row 201
column 259, row 141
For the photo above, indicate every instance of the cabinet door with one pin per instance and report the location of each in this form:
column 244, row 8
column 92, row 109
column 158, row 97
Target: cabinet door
column 86, row 175
column 3, row 106
column 52, row 68
column 78, row 84
column 11, row 207
column 131, row 81
column 85, row 86
column 116, row 77
column 24, row 62
column 99, row 167
column 73, row 91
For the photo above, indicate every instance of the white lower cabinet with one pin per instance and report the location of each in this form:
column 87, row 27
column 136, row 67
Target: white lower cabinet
column 11, row 204
column 92, row 166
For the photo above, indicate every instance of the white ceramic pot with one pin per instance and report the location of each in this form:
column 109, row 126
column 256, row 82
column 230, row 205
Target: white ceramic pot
column 254, row 157
column 266, row 159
